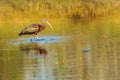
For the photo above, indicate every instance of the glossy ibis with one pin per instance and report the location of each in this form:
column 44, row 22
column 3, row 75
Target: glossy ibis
column 34, row 29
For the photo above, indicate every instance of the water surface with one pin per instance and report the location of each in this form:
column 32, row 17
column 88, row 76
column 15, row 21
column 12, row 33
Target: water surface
column 77, row 50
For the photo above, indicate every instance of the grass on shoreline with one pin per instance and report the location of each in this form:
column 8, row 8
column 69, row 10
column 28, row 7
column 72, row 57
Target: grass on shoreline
column 34, row 10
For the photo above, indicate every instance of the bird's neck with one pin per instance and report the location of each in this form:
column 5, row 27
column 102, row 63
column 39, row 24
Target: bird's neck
column 43, row 24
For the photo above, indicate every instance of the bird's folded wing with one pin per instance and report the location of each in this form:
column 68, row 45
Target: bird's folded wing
column 30, row 30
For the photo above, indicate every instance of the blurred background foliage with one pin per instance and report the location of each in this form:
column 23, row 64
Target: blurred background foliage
column 22, row 10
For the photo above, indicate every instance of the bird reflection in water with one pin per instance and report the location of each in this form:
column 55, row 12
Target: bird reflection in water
column 35, row 61
column 33, row 49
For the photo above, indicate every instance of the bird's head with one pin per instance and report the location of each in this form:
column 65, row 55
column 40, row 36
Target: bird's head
column 44, row 21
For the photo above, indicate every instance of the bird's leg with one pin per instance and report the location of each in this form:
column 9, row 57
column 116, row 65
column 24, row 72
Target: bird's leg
column 36, row 36
column 33, row 35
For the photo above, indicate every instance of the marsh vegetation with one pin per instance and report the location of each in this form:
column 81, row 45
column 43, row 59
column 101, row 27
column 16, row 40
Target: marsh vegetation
column 89, row 49
column 25, row 10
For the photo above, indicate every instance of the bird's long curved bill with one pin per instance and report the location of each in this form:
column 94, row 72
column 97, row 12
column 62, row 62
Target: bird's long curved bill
column 50, row 25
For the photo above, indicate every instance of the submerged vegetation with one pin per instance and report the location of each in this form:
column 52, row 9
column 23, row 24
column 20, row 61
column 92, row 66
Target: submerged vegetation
column 22, row 10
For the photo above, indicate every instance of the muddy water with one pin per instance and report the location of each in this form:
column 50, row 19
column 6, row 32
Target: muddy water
column 75, row 51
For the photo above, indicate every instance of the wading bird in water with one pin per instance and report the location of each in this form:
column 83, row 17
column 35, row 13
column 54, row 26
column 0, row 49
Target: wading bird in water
column 34, row 29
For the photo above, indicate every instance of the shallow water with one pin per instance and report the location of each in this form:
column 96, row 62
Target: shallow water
column 75, row 51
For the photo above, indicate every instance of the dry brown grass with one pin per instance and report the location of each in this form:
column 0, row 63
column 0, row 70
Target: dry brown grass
column 26, row 11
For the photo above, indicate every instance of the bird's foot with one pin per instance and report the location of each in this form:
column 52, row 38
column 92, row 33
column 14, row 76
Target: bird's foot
column 37, row 37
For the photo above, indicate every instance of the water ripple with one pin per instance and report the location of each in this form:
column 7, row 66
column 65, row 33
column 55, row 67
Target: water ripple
column 40, row 40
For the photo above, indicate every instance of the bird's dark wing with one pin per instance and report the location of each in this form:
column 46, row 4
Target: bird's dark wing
column 30, row 29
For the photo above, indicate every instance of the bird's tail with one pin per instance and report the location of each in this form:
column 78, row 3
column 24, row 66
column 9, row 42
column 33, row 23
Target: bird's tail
column 20, row 34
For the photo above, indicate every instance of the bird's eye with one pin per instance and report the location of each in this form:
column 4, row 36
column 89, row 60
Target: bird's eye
column 43, row 20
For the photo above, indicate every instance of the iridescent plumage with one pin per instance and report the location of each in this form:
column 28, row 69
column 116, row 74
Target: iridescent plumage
column 34, row 29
